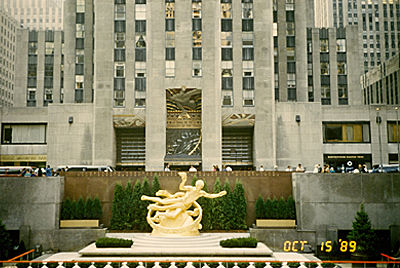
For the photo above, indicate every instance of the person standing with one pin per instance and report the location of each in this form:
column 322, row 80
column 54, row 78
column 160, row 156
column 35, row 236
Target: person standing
column 299, row 168
column 49, row 172
column 167, row 168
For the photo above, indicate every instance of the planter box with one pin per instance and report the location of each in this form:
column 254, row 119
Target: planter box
column 276, row 223
column 79, row 223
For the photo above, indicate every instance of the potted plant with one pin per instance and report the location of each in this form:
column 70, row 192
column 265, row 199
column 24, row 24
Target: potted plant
column 80, row 214
column 275, row 213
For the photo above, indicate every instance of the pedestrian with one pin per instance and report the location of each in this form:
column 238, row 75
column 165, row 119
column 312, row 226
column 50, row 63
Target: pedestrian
column 261, row 168
column 167, row 168
column 299, row 168
column 276, row 168
column 192, row 169
column 315, row 169
column 49, row 172
column 228, row 168
column 288, row 168
column 40, row 172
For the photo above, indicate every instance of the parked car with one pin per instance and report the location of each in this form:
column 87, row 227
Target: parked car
column 385, row 168
column 105, row 168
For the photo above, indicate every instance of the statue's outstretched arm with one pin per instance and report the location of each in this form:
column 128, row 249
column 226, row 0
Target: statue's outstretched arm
column 205, row 194
column 184, row 179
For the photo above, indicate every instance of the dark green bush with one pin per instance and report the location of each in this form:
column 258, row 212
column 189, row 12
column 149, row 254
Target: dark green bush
column 274, row 209
column 97, row 210
column 109, row 242
column 241, row 242
column 67, row 210
column 79, row 209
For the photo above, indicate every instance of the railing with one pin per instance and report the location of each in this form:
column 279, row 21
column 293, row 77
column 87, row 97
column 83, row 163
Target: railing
column 29, row 255
column 200, row 264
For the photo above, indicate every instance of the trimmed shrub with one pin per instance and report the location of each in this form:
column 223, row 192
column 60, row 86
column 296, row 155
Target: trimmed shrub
column 136, row 194
column 79, row 209
column 240, row 207
column 206, row 205
column 268, row 209
column 282, row 208
column 155, row 186
column 291, row 208
column 260, row 208
column 117, row 216
column 96, row 206
column 241, row 242
column 88, row 211
column 274, row 208
column 217, row 214
column 67, row 209
column 143, row 225
column 228, row 204
column 109, row 242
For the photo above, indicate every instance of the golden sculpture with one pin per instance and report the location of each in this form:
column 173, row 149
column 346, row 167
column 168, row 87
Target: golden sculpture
column 172, row 215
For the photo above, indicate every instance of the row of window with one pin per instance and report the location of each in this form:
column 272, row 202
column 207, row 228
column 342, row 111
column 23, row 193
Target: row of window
column 351, row 132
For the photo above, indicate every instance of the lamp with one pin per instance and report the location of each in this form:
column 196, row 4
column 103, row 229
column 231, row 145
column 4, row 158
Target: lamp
column 298, row 119
column 70, row 119
column 379, row 121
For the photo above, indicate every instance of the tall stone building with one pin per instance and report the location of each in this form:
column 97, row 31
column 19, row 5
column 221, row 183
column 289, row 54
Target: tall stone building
column 35, row 15
column 8, row 39
column 378, row 24
column 142, row 84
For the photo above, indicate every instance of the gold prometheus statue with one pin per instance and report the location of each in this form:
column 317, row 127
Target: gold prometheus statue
column 172, row 215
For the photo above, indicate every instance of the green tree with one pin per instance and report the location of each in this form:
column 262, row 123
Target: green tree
column 80, row 209
column 87, row 214
column 97, row 210
column 282, row 208
column 206, row 206
column 67, row 210
column 291, row 208
column 274, row 208
column 194, row 179
column 260, row 208
column 228, row 207
column 217, row 214
column 156, row 185
column 5, row 241
column 137, row 213
column 117, row 217
column 144, row 226
column 127, row 207
column 240, row 206
column 363, row 234
column 268, row 208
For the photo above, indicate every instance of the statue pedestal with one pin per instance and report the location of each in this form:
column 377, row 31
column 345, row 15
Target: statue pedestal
column 205, row 245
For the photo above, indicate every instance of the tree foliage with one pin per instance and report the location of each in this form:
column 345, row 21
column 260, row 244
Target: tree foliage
column 363, row 233
column 79, row 209
column 206, row 205
column 117, row 216
column 67, row 210
column 240, row 210
column 155, row 186
column 5, row 241
column 87, row 213
column 291, row 205
column 97, row 210
column 143, row 225
column 228, row 207
column 217, row 203
column 282, row 208
column 260, row 208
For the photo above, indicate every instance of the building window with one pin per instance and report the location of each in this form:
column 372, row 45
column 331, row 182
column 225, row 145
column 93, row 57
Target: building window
column 341, row 45
column 24, row 134
column 346, row 132
column 324, row 45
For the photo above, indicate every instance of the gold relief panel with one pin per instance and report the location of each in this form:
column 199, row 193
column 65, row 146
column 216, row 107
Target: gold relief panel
column 238, row 120
column 129, row 121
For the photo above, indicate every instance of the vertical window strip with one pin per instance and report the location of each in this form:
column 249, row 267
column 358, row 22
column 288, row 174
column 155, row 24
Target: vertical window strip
column 197, row 38
column 170, row 38
column 79, row 50
column 140, row 53
column 226, row 53
column 119, row 52
column 247, row 53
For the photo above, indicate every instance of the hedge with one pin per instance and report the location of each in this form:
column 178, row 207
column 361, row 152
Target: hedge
column 241, row 242
column 109, row 242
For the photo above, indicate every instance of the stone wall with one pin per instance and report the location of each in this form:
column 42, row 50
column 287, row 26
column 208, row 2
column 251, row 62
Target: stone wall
column 78, row 184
